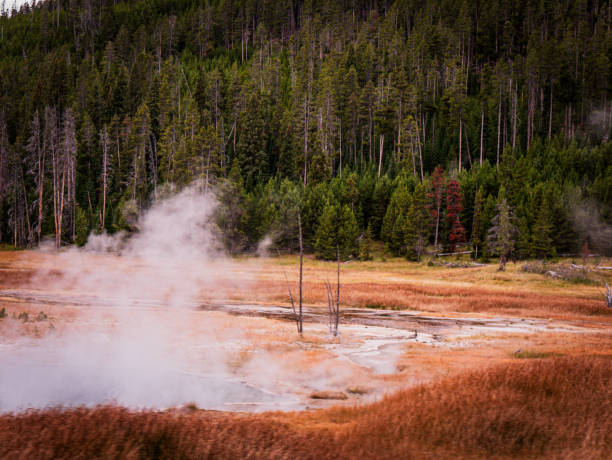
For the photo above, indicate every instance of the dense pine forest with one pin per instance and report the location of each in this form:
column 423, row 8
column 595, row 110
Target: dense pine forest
column 427, row 125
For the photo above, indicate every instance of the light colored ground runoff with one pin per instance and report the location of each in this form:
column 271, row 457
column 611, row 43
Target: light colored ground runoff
column 222, row 335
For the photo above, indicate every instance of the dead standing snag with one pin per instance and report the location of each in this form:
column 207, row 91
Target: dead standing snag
column 334, row 308
column 608, row 295
column 300, row 324
column 295, row 315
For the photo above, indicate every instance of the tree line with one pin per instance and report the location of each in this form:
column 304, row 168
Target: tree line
column 415, row 123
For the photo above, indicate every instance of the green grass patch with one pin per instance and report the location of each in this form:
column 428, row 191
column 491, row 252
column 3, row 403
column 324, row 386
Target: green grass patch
column 534, row 354
column 8, row 247
column 376, row 306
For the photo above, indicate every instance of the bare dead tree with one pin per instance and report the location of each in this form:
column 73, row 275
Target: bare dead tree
column 337, row 311
column 63, row 156
column 37, row 156
column 70, row 146
column 51, row 145
column 295, row 315
column 106, row 157
column 382, row 143
column 19, row 219
column 4, row 154
column 482, row 120
column 3, row 14
column 300, row 323
column 330, row 307
column 333, row 305
column 608, row 295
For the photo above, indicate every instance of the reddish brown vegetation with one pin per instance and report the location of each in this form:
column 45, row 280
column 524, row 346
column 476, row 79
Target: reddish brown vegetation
column 559, row 407
column 449, row 298
column 390, row 286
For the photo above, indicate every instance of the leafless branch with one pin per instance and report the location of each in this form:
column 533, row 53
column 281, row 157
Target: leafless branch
column 295, row 315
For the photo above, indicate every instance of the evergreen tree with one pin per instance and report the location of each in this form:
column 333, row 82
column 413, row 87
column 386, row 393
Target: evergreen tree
column 418, row 224
column 315, row 201
column 397, row 238
column 394, row 221
column 139, row 143
column 337, row 229
column 370, row 93
column 477, row 223
column 380, row 202
column 251, row 145
column 261, row 215
column 365, row 245
column 453, row 209
column 436, row 196
column 523, row 243
column 285, row 225
column 503, row 231
column 541, row 238
column 82, row 227
column 231, row 212
column 488, row 213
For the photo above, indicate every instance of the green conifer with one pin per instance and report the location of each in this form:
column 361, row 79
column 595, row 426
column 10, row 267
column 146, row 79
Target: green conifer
column 418, row 224
column 365, row 245
column 477, row 224
column 337, row 229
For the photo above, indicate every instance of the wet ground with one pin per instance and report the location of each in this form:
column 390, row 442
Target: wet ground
column 115, row 330
column 266, row 365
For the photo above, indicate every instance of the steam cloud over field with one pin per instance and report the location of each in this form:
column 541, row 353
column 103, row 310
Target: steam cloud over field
column 137, row 360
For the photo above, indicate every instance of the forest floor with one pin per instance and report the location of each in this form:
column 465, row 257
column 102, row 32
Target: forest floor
column 226, row 329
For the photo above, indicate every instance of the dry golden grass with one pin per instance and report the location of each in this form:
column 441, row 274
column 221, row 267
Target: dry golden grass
column 395, row 284
column 398, row 284
column 541, row 408
column 444, row 299
column 552, row 399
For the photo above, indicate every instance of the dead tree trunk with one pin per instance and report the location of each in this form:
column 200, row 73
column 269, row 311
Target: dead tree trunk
column 514, row 112
column 482, row 116
column 105, row 172
column 337, row 311
column 550, row 112
column 295, row 315
column 306, row 110
column 330, row 307
column 382, row 143
column 460, row 141
column 498, row 127
column 608, row 295
column 37, row 155
column 300, row 324
column 438, row 205
column 467, row 145
column 420, row 148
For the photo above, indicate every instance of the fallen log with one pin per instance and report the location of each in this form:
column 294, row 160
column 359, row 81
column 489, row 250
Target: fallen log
column 452, row 253
column 337, row 395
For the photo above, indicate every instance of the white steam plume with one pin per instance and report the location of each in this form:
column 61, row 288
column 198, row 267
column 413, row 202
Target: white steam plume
column 123, row 349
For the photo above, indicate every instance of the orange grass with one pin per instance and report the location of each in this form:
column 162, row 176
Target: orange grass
column 557, row 407
column 440, row 298
column 396, row 284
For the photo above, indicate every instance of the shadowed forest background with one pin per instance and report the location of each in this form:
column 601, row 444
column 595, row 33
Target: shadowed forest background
column 341, row 110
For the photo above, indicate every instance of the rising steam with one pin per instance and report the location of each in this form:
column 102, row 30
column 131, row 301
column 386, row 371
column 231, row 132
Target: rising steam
column 130, row 353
